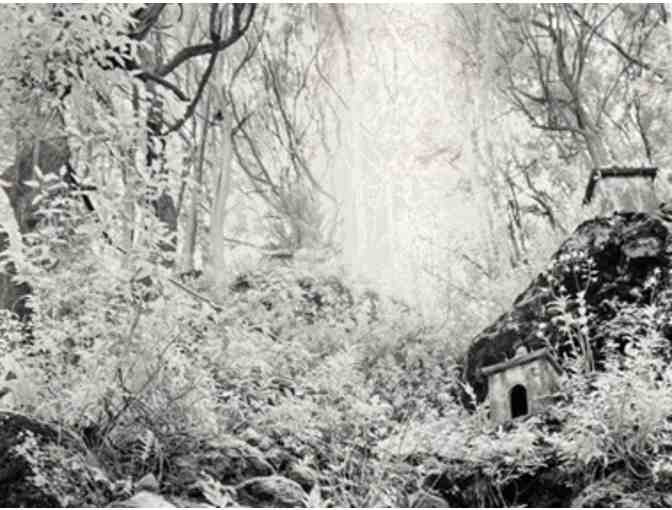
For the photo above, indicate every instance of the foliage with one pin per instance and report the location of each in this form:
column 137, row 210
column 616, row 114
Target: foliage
column 317, row 370
column 620, row 415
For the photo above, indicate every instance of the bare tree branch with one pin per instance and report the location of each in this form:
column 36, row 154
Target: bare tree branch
column 147, row 75
column 238, row 29
column 199, row 92
column 619, row 49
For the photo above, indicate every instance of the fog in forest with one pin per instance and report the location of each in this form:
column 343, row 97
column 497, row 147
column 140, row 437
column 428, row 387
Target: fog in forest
column 335, row 255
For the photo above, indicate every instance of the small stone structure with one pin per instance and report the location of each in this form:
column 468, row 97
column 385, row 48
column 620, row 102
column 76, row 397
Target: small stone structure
column 522, row 385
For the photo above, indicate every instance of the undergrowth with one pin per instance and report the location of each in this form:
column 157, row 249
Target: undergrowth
column 346, row 385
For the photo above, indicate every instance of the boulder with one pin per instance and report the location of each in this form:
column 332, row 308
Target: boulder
column 143, row 499
column 45, row 466
column 305, row 476
column 622, row 259
column 227, row 460
column 148, row 483
column 423, row 499
column 271, row 491
column 189, row 503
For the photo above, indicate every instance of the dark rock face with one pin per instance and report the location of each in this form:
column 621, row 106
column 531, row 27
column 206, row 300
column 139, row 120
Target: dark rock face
column 44, row 467
column 619, row 260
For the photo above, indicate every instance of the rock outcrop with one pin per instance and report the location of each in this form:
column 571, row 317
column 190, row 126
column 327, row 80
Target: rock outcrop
column 610, row 262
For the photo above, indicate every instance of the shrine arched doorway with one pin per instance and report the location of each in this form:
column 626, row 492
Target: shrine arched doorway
column 518, row 396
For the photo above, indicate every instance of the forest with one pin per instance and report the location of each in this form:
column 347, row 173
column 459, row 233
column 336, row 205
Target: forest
column 335, row 255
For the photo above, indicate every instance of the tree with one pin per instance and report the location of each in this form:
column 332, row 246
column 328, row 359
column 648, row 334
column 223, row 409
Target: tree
column 281, row 127
column 577, row 73
column 104, row 56
column 572, row 89
column 265, row 132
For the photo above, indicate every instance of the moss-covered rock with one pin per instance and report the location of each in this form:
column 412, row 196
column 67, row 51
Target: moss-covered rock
column 45, row 466
column 621, row 491
column 622, row 259
column 227, row 460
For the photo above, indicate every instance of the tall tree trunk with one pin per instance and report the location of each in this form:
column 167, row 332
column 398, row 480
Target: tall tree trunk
column 222, row 192
column 196, row 196
column 44, row 145
column 486, row 150
column 481, row 175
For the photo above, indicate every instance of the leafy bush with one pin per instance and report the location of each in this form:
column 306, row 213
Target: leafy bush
column 620, row 415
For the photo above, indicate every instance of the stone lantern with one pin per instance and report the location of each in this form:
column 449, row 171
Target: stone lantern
column 522, row 385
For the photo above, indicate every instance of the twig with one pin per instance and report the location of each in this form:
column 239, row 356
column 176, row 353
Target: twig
column 196, row 295
column 477, row 265
column 135, row 398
